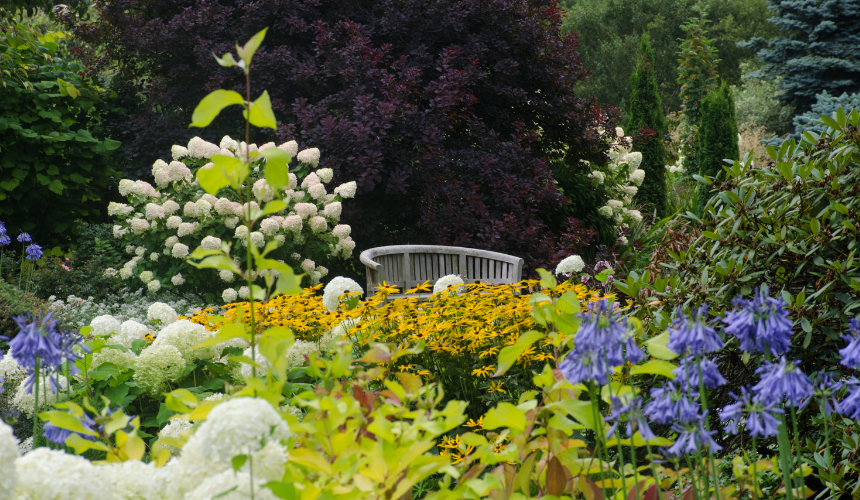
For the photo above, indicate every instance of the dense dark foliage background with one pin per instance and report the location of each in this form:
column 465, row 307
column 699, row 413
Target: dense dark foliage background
column 447, row 113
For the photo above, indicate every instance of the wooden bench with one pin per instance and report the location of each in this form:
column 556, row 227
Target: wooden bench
column 407, row 266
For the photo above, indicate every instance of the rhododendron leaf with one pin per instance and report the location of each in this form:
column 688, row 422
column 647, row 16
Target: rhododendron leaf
column 263, row 116
column 508, row 356
column 654, row 367
column 211, row 105
column 277, row 173
column 505, row 415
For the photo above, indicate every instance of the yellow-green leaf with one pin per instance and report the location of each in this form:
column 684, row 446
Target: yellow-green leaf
column 311, row 459
column 262, row 115
column 654, row 367
column 212, row 104
column 509, row 354
column 505, row 415
column 277, row 174
column 657, row 347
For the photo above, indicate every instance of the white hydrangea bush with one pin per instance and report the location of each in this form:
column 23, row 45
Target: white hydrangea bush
column 619, row 180
column 162, row 224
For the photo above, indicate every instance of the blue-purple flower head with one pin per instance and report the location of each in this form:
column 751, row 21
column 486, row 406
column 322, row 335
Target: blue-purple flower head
column 672, row 403
column 5, row 240
column 24, row 238
column 851, row 353
column 40, row 339
column 688, row 371
column 761, row 324
column 2, row 228
column 34, row 252
column 693, row 438
column 782, row 381
column 693, row 335
column 850, row 406
column 58, row 435
column 825, row 391
column 760, row 416
column 629, row 411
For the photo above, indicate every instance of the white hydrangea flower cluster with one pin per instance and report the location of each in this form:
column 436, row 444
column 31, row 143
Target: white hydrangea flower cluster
column 337, row 287
column 569, row 266
column 620, row 179
column 48, row 390
column 451, row 280
column 8, row 454
column 182, row 216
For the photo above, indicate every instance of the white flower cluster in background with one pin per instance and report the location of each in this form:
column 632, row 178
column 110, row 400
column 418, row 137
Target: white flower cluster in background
column 451, row 280
column 620, row 179
column 337, row 287
column 569, row 266
column 160, row 226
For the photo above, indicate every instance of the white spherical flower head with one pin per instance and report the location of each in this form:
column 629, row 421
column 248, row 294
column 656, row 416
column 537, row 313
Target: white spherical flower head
column 308, row 265
column 292, row 223
column 311, row 156
column 263, row 190
column 230, row 222
column 159, row 166
column 203, row 207
column 170, row 241
column 161, row 312
column 258, row 239
column 290, row 147
column 198, row 148
column 632, row 159
column 570, row 265
column 153, row 286
column 130, row 331
column 146, row 276
column 139, row 251
column 178, row 152
column 317, row 191
column 635, row 216
column 637, row 177
column 119, row 209
column 241, row 232
column 119, row 231
column 126, row 186
column 244, row 292
column 297, row 196
column 139, row 226
column 229, row 143
column 292, row 181
column 156, row 366
column 306, row 210
column 177, row 280
column 323, row 271
column 104, row 325
column 162, row 178
column 125, row 273
column 341, row 231
column 337, row 287
column 318, row 224
column 451, row 280
column 154, row 257
column 325, row 175
column 622, row 240
column 186, row 228
column 144, row 189
column 616, row 205
column 346, row 246
column 280, row 239
column 597, row 177
column 170, row 207
column 177, row 171
column 346, row 190
column 190, row 209
column 174, row 221
column 44, row 473
column 619, row 132
column 154, row 211
column 310, row 180
column 8, row 453
column 254, row 206
column 229, row 295
column 211, row 243
column 179, row 251
column 270, row 226
column 227, row 275
column 223, row 206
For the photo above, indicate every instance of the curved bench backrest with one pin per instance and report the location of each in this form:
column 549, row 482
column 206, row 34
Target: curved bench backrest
column 406, row 266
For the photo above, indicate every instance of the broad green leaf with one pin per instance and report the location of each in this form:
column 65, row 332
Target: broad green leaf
column 657, row 347
column 508, row 355
column 224, row 172
column 81, row 445
column 654, row 367
column 310, row 459
column 238, row 461
column 65, row 420
column 252, row 45
column 273, row 206
column 180, row 400
column 505, row 415
column 277, row 174
column 262, row 114
column 211, row 106
column 815, row 226
column 581, row 411
column 227, row 61
column 227, row 332
column 547, row 280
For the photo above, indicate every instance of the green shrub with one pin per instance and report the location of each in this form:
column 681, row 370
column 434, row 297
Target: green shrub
column 61, row 278
column 52, row 144
column 718, row 133
column 14, row 302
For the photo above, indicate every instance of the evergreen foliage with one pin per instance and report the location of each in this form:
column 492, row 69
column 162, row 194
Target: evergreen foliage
column 816, row 50
column 646, row 114
column 697, row 68
column 826, row 104
column 718, row 133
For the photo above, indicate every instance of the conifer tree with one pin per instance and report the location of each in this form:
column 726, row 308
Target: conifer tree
column 718, row 133
column 649, row 123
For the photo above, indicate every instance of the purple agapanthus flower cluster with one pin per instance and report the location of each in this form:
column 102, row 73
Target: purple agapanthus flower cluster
column 692, row 437
column 629, row 412
column 691, row 368
column 24, row 238
column 761, row 324
column 34, row 251
column 783, row 381
column 760, row 416
column 600, row 344
column 851, row 353
column 4, row 238
column 39, row 339
column 58, row 435
column 693, row 335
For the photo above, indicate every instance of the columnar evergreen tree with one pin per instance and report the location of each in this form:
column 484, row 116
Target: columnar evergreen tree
column 817, row 51
column 718, row 133
column 646, row 114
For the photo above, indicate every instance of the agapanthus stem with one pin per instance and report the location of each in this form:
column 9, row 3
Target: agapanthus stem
column 704, row 396
column 785, row 457
column 618, row 441
column 653, row 469
column 800, row 478
column 827, row 456
column 754, row 459
column 598, row 438
column 693, row 481
column 36, row 400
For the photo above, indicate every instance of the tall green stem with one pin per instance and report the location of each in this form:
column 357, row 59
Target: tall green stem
column 827, row 456
column 598, row 435
column 36, row 399
column 800, row 478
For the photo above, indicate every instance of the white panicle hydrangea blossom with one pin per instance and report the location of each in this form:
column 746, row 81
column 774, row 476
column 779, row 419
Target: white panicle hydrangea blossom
column 317, row 191
column 229, row 485
column 570, row 265
column 9, row 368
column 616, row 205
column 156, row 366
column 170, row 242
column 162, row 178
column 347, row 246
column 270, row 226
column 131, row 480
column 126, row 186
column 444, row 282
column 104, row 325
column 633, row 160
column 297, row 196
column 619, row 132
column 306, row 210
column 46, row 474
column 154, row 257
column 129, row 331
column 597, row 176
column 310, row 180
column 322, row 270
column 637, row 177
column 223, row 206
column 239, row 426
column 318, row 224
column 229, row 295
column 198, row 148
column 174, row 429
column 341, row 231
column 227, row 275
column 178, row 152
column 308, row 265
column 231, row 222
column 110, row 272
column 159, row 311
column 337, row 287
column 115, row 356
column 180, row 251
column 211, row 243
column 125, row 273
column 228, row 143
column 630, row 190
column 153, row 286
column 292, row 223
column 244, row 292
column 190, row 209
column 325, row 175
column 146, row 276
column 115, row 209
column 290, row 147
column 263, row 191
column 297, row 352
column 8, row 454
column 177, row 171
column 292, row 181
column 258, row 239
column 173, row 222
column 119, row 231
column 346, row 190
column 184, row 335
column 622, row 240
column 333, row 210
column 241, row 232
column 139, row 226
column 130, row 249
column 177, row 280
column 139, row 251
column 204, row 208
column 280, row 239
column 635, row 216
column 158, row 166
column 144, row 189
column 48, row 389
column 310, row 156
column 170, row 207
